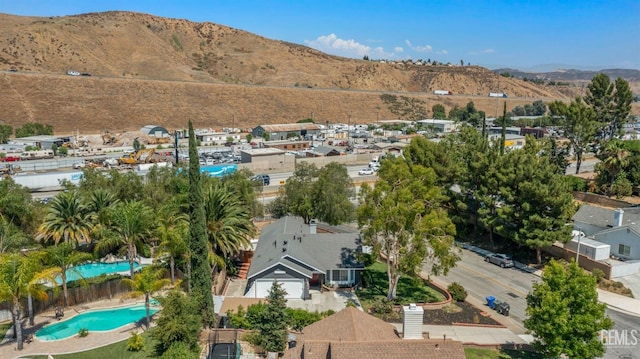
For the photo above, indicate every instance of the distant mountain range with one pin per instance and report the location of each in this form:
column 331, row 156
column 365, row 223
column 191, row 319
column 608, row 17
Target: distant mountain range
column 630, row 75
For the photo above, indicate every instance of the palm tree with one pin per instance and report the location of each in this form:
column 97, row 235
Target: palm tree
column 229, row 224
column 172, row 232
column 68, row 220
column 615, row 160
column 130, row 225
column 21, row 276
column 99, row 203
column 11, row 237
column 145, row 283
column 63, row 258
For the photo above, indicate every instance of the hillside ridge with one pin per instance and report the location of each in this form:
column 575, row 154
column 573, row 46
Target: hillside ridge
column 147, row 69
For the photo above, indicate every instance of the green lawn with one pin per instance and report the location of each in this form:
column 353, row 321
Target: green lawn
column 113, row 351
column 476, row 353
column 4, row 327
column 410, row 290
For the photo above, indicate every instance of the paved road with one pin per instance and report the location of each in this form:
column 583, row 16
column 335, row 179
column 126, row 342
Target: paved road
column 627, row 330
column 482, row 279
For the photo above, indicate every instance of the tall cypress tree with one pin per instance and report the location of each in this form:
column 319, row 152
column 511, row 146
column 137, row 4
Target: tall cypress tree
column 200, row 282
column 503, row 136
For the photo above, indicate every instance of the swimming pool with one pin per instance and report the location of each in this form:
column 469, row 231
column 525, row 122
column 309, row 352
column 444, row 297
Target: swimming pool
column 94, row 321
column 91, row 270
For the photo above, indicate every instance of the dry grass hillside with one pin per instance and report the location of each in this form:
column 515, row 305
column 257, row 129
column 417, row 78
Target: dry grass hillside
column 152, row 70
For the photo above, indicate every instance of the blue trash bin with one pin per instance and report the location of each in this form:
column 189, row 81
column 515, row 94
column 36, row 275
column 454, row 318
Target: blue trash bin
column 491, row 300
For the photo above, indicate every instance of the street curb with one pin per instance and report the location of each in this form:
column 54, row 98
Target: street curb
column 501, row 326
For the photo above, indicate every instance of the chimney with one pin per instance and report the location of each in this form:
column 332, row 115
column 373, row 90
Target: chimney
column 313, row 227
column 618, row 215
column 412, row 321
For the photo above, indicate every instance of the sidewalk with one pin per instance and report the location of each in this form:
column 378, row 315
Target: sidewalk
column 471, row 335
column 619, row 302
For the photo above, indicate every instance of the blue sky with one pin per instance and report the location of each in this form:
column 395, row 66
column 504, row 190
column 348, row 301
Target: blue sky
column 585, row 34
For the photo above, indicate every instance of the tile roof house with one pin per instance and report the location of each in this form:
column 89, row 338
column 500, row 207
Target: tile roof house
column 300, row 255
column 353, row 334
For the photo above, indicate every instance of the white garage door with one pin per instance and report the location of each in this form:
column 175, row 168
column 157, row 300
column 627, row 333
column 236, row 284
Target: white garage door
column 293, row 287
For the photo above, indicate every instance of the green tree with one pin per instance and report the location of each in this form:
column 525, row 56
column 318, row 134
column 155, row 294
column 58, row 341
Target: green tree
column 331, row 193
column 273, row 322
column 200, row 281
column 296, row 197
column 172, row 232
column 11, row 237
column 579, row 126
column 564, row 323
column 5, row 133
column 67, row 220
column 16, row 204
column 535, row 200
column 145, row 284
column 130, row 226
column 402, row 219
column 33, row 129
column 228, row 219
column 64, row 258
column 439, row 111
column 179, row 322
column 611, row 103
column 21, row 276
column 615, row 158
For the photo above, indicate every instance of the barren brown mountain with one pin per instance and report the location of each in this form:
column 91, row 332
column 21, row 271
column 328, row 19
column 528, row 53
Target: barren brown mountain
column 151, row 70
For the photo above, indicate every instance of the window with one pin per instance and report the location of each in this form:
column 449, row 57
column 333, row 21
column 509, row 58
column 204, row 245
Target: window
column 339, row 275
column 624, row 250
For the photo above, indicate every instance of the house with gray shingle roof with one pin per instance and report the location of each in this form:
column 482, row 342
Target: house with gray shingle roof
column 353, row 334
column 617, row 228
column 300, row 255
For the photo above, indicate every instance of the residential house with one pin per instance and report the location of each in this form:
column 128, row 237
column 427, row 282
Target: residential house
column 300, row 256
column 354, row 334
column 618, row 228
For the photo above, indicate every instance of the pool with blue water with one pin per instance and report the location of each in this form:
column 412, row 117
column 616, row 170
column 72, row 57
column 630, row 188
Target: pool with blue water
column 94, row 321
column 91, row 270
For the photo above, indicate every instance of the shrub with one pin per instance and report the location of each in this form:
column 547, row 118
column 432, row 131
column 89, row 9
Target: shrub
column 180, row 350
column 577, row 183
column 598, row 274
column 83, row 332
column 252, row 338
column 382, row 306
column 458, row 293
column 135, row 342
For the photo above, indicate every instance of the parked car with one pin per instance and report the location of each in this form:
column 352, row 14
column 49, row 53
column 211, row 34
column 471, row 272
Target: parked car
column 502, row 260
column 366, row 171
column 10, row 159
column 265, row 179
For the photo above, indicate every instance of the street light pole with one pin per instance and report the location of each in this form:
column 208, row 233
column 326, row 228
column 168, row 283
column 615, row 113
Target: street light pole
column 578, row 248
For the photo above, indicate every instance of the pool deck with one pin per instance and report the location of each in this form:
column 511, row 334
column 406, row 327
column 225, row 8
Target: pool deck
column 70, row 345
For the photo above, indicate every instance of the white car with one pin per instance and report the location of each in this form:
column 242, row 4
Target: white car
column 366, row 171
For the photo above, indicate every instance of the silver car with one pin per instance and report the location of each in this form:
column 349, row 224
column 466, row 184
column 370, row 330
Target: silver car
column 502, row 260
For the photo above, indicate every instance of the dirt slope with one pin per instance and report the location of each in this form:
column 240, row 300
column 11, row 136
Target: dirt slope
column 152, row 70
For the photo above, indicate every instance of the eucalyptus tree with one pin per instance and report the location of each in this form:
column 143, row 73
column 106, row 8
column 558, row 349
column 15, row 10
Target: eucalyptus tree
column 402, row 219
column 67, row 220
